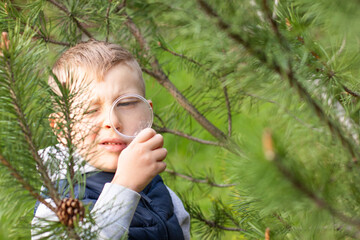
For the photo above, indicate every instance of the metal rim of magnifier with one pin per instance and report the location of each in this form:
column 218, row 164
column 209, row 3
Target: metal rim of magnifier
column 125, row 96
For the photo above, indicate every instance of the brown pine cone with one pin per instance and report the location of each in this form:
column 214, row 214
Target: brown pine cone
column 70, row 211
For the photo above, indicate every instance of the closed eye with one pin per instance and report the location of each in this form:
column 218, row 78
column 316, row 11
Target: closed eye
column 91, row 111
column 126, row 104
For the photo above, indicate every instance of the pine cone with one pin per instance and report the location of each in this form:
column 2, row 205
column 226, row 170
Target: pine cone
column 70, row 211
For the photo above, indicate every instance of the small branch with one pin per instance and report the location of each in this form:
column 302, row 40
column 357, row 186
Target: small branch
column 326, row 65
column 228, row 108
column 274, row 24
column 66, row 11
column 107, row 22
column 352, row 93
column 196, row 180
column 49, row 40
column 341, row 49
column 286, row 225
column 230, row 216
column 295, row 83
column 40, row 35
column 271, row 156
column 160, row 119
column 321, row 203
column 184, row 135
column 197, row 214
column 120, row 6
column 285, row 109
column 226, row 27
column 25, row 185
column 227, row 100
column 216, row 225
column 180, row 55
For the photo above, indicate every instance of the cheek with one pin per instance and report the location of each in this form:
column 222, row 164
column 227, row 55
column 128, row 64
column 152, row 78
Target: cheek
column 85, row 133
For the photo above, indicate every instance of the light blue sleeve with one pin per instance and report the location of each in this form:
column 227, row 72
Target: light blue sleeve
column 181, row 214
column 114, row 210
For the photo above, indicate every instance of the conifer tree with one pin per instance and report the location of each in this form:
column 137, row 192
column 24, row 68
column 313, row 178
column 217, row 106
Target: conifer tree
column 258, row 101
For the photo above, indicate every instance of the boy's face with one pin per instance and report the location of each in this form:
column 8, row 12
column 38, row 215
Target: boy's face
column 97, row 140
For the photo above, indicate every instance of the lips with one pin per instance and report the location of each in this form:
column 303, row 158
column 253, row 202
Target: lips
column 113, row 144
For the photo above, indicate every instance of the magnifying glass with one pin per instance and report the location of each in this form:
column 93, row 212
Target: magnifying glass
column 129, row 114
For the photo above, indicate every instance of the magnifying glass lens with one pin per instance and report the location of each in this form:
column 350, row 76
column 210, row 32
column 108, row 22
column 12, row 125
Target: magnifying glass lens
column 130, row 114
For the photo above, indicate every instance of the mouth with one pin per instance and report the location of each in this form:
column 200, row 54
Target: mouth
column 113, row 144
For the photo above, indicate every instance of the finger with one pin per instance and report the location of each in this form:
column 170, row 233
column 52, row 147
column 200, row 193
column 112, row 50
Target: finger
column 159, row 154
column 161, row 166
column 145, row 135
column 155, row 142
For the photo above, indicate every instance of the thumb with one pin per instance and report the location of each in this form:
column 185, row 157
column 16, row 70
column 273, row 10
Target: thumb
column 144, row 135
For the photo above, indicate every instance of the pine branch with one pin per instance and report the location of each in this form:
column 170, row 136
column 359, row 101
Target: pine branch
column 289, row 75
column 226, row 28
column 180, row 55
column 107, row 22
column 220, row 78
column 161, row 77
column 28, row 135
column 228, row 108
column 294, row 82
column 197, row 214
column 38, row 33
column 351, row 92
column 274, row 25
column 321, row 203
column 340, row 113
column 164, row 129
column 317, row 57
column 70, row 164
column 68, row 13
column 286, row 225
column 213, row 224
column 25, row 184
column 285, row 109
column 65, row 101
column 25, row 128
column 187, row 136
column 197, row 180
column 50, row 40
column 271, row 155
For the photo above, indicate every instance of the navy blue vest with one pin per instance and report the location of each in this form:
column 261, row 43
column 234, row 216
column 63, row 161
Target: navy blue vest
column 154, row 217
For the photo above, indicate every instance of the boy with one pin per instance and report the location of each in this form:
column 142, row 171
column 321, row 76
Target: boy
column 129, row 177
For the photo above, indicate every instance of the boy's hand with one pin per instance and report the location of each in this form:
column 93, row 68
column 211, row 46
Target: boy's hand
column 141, row 161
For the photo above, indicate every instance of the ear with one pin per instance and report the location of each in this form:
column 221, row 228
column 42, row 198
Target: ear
column 151, row 103
column 55, row 121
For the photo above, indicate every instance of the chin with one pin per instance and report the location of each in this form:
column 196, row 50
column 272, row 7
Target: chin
column 105, row 163
column 105, row 167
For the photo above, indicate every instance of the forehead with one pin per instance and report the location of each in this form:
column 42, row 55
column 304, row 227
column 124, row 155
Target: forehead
column 119, row 80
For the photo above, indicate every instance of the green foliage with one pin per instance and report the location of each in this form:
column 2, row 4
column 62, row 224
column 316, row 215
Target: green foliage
column 278, row 81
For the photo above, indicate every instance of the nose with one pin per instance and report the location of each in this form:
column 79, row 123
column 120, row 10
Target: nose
column 111, row 118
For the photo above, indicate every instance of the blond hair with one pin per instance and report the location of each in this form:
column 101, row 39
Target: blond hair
column 88, row 62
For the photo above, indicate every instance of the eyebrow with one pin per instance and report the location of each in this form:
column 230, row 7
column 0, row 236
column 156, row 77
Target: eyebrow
column 95, row 102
